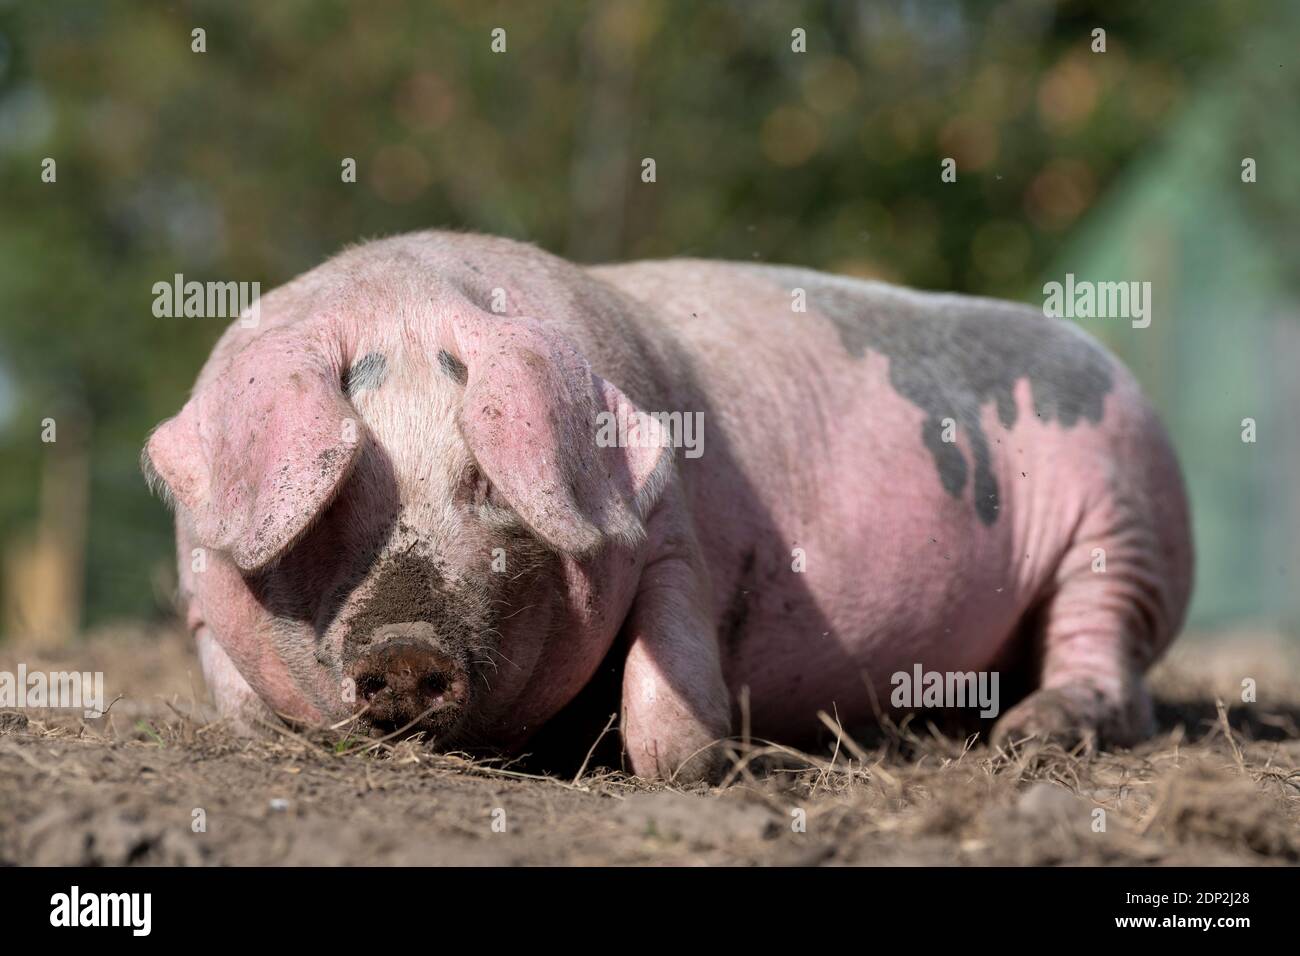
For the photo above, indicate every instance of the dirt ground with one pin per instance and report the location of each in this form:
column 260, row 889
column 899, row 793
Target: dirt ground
column 157, row 781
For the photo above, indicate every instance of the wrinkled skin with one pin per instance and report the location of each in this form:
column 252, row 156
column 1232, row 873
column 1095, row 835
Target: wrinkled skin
column 401, row 512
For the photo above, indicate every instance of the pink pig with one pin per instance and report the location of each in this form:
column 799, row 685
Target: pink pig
column 398, row 504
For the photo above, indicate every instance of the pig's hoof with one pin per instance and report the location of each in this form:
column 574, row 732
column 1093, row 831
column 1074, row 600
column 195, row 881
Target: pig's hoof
column 1044, row 716
column 1074, row 716
column 707, row 766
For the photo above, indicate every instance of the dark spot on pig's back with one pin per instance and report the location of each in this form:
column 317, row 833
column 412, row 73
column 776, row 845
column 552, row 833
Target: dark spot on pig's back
column 369, row 371
column 949, row 360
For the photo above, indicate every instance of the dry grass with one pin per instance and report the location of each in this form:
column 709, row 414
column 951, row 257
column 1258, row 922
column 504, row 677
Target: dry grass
column 1219, row 785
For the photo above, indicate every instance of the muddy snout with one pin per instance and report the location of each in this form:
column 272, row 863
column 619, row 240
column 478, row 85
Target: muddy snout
column 406, row 679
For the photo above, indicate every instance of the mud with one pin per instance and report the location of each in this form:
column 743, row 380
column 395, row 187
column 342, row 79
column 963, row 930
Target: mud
column 407, row 588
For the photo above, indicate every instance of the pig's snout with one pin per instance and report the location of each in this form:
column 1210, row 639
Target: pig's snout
column 404, row 680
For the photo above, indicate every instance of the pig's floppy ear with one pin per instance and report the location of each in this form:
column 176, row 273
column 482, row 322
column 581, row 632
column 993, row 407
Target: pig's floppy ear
column 530, row 418
column 258, row 452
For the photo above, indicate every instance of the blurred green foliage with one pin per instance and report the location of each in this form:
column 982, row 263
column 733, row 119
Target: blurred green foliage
column 226, row 165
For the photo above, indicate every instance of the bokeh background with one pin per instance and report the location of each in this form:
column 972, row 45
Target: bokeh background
column 225, row 165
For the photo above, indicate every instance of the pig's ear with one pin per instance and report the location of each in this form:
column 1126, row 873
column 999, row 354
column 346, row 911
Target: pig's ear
column 538, row 422
column 259, row 452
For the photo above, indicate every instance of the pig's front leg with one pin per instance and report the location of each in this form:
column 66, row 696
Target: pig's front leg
column 675, row 701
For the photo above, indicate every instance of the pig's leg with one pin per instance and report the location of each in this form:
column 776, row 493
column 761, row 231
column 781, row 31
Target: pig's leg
column 1100, row 630
column 235, row 700
column 675, row 701
column 1091, row 692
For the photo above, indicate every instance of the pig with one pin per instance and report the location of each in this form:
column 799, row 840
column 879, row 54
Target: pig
column 400, row 506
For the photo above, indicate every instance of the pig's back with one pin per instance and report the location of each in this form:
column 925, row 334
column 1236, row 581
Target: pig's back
column 845, row 534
